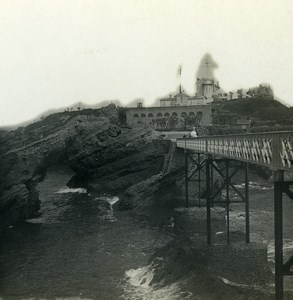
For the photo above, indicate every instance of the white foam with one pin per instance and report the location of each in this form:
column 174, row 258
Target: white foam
column 72, row 190
column 112, row 200
column 109, row 216
column 141, row 277
column 287, row 248
column 246, row 286
column 255, row 186
column 35, row 220
column 226, row 281
column 138, row 286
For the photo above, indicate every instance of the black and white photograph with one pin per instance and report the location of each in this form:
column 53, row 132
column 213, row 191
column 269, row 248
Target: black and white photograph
column 146, row 150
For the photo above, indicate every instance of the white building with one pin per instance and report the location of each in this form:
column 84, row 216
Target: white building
column 208, row 89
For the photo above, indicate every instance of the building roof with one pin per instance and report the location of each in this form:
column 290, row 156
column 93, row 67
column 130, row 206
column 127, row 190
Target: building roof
column 182, row 94
column 220, row 90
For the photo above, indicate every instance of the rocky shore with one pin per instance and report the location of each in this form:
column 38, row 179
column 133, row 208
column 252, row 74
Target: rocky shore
column 105, row 156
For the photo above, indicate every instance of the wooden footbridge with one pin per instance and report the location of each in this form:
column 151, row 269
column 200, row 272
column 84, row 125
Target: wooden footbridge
column 273, row 150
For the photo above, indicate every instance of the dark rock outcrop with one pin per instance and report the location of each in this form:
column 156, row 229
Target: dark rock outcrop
column 156, row 191
column 22, row 168
column 166, row 191
column 104, row 157
column 114, row 162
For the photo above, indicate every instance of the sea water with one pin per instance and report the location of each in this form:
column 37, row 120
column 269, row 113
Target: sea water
column 80, row 248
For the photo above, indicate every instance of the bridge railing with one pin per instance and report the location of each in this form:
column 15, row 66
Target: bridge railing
column 272, row 149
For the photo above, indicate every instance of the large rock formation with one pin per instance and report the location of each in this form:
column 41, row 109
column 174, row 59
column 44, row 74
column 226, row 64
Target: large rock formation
column 167, row 190
column 113, row 163
column 91, row 142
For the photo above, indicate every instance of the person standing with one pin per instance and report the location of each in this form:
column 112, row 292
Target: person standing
column 193, row 133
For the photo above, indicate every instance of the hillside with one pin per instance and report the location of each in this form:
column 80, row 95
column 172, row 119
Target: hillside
column 265, row 115
column 51, row 124
column 258, row 108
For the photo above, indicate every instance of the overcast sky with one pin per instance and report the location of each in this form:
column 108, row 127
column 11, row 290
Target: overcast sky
column 54, row 53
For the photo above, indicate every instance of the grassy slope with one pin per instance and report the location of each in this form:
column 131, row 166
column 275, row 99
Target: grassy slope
column 258, row 108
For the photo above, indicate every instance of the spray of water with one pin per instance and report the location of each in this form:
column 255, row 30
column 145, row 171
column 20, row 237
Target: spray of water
column 138, row 286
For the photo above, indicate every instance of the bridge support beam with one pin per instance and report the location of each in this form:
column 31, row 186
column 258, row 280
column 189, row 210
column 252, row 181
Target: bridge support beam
column 208, row 197
column 247, row 218
column 186, row 179
column 213, row 191
column 281, row 270
column 227, row 174
column 197, row 161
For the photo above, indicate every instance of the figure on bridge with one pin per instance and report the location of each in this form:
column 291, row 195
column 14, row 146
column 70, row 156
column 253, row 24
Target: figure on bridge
column 193, row 133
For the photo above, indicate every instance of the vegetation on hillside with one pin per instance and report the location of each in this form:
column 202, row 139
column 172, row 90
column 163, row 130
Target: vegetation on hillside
column 51, row 124
column 264, row 114
column 259, row 108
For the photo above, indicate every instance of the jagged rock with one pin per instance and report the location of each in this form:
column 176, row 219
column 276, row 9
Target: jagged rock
column 122, row 161
column 19, row 202
column 155, row 191
column 103, row 155
column 165, row 190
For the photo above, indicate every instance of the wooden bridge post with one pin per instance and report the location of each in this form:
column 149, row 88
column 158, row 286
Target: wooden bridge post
column 278, row 205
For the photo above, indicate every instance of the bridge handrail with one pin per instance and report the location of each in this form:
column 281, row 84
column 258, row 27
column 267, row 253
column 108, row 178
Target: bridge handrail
column 271, row 149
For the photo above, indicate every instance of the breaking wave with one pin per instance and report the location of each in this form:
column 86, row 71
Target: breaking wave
column 256, row 186
column 71, row 190
column 287, row 248
column 138, row 286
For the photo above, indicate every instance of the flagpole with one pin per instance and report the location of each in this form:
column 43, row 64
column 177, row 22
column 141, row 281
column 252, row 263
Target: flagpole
column 179, row 72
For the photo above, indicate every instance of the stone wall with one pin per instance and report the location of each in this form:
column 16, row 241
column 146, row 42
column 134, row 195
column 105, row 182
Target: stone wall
column 150, row 115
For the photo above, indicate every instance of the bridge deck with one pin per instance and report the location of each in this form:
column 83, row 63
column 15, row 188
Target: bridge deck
column 271, row 149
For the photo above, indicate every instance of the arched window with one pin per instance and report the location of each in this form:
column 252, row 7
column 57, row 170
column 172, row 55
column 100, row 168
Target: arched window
column 199, row 116
column 174, row 114
column 166, row 115
column 135, row 116
column 150, row 115
column 142, row 115
column 191, row 113
column 159, row 115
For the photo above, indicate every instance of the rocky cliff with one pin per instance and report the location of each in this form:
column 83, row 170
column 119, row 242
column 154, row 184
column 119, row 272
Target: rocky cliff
column 104, row 156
